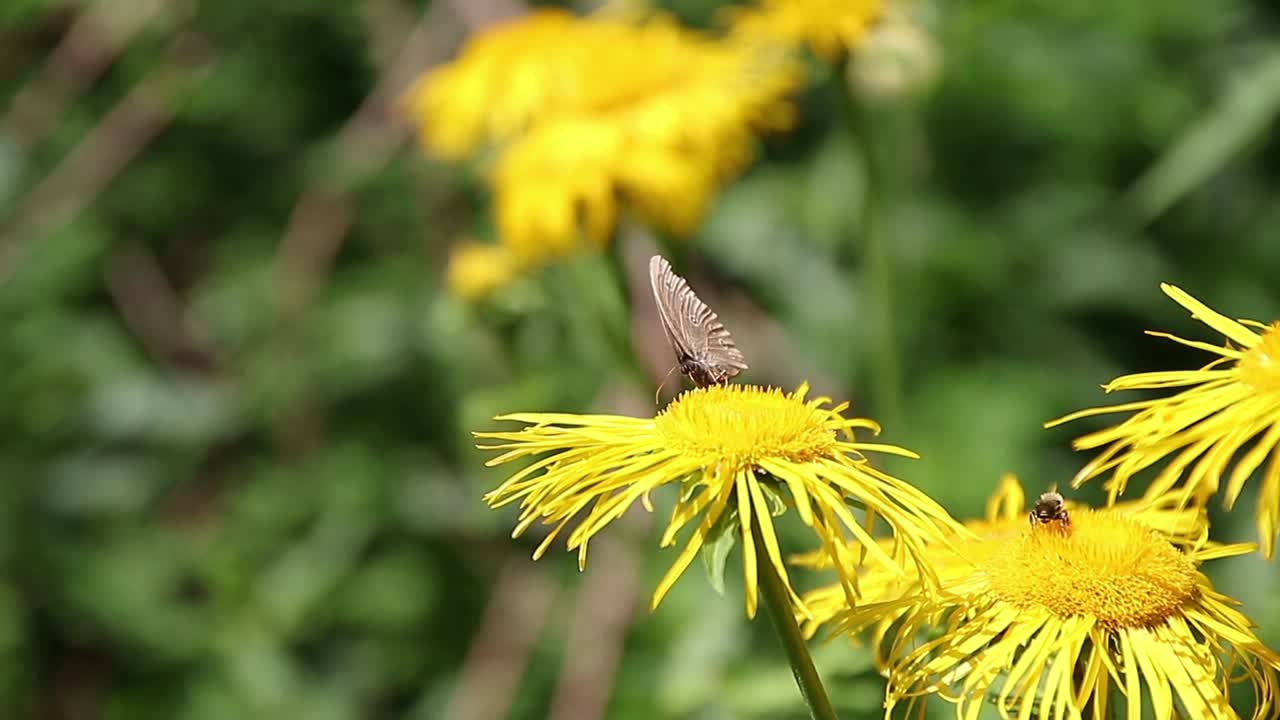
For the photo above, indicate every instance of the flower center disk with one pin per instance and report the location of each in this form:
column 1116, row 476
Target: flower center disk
column 1108, row 567
column 1260, row 365
column 744, row 423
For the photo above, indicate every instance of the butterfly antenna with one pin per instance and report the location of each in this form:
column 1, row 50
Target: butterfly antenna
column 657, row 394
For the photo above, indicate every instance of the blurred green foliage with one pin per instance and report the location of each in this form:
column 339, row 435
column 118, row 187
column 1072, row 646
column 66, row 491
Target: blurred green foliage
column 238, row 480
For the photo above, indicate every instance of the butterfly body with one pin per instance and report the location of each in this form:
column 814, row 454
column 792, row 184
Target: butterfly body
column 704, row 349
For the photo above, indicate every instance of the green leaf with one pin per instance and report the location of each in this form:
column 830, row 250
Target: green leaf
column 715, row 552
column 777, row 504
column 1241, row 117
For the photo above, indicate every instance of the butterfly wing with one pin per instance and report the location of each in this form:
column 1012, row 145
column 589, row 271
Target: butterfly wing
column 667, row 287
column 693, row 329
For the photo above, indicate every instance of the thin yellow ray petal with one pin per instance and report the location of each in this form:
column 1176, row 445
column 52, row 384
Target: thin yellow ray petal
column 830, row 499
column 691, row 549
column 1207, row 347
column 1026, row 672
column 1091, row 412
column 785, row 472
column 542, row 419
column 1246, row 464
column 882, row 448
column 1166, row 379
column 1223, row 324
column 1196, row 694
column 1144, row 650
column 1132, row 679
column 749, row 567
column 960, row 648
column 1216, row 552
column 765, row 520
column 686, row 510
column 1269, row 508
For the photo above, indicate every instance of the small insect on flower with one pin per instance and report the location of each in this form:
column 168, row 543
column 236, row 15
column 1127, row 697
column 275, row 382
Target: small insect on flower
column 705, row 350
column 1050, row 508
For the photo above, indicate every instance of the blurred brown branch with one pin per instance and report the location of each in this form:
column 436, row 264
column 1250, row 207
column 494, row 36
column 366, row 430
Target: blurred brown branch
column 602, row 613
column 153, row 311
column 321, row 217
column 89, row 46
column 365, row 144
column 520, row 602
column 104, row 151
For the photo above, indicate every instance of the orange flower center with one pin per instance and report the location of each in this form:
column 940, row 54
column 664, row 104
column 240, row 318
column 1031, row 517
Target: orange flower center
column 1108, row 567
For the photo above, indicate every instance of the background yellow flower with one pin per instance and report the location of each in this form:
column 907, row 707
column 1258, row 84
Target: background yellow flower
column 597, row 116
column 830, row 28
column 1223, row 407
column 478, row 269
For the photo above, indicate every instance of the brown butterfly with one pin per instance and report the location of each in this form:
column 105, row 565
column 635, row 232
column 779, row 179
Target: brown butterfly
column 703, row 347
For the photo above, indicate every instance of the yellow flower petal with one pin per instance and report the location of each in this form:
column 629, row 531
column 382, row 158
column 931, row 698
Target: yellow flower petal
column 597, row 116
column 720, row 445
column 1053, row 616
column 1203, row 429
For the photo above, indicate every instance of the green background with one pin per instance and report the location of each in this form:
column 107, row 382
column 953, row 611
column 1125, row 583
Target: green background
column 237, row 479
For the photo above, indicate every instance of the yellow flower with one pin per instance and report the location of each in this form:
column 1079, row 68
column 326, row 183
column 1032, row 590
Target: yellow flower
column 830, row 28
column 506, row 77
column 477, row 269
column 595, row 117
column 1225, row 405
column 1005, row 519
column 1056, row 621
column 733, row 452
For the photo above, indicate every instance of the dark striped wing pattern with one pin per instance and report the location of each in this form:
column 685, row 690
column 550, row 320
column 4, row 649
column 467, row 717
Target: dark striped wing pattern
column 704, row 348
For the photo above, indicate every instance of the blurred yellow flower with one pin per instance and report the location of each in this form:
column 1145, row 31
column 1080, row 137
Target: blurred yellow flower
column 733, row 451
column 1226, row 405
column 1005, row 519
column 597, row 116
column 829, row 28
column 476, row 270
column 1058, row 622
column 505, row 78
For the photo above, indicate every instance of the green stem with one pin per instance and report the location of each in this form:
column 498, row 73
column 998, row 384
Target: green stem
column 879, row 269
column 881, row 132
column 778, row 602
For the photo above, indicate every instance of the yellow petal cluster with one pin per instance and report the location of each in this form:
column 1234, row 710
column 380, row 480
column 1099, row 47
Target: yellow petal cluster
column 594, row 117
column 1061, row 624
column 1005, row 521
column 1225, row 416
column 476, row 270
column 829, row 28
column 729, row 450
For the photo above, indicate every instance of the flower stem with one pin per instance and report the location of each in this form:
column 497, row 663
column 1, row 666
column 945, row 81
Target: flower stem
column 888, row 383
column 881, row 131
column 784, row 622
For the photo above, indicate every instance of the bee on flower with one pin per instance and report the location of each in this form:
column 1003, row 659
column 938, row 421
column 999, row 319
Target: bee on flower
column 1005, row 519
column 1113, row 616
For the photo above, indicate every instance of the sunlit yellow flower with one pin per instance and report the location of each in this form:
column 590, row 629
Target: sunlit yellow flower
column 1228, row 404
column 830, row 28
column 593, row 117
column 734, row 452
column 506, row 77
column 1005, row 519
column 476, row 270
column 1064, row 623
